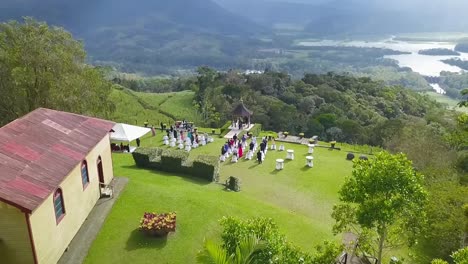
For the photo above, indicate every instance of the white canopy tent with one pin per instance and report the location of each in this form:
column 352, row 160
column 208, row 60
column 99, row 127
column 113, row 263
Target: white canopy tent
column 128, row 133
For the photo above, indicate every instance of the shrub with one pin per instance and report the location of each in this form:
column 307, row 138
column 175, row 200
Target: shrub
column 277, row 249
column 233, row 184
column 350, row 156
column 235, row 229
column 172, row 159
column 206, row 167
column 301, row 135
column 256, row 130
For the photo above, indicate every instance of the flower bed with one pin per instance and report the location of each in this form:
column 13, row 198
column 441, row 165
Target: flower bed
column 158, row 224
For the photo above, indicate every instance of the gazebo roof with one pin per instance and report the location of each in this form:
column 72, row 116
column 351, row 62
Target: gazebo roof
column 241, row 110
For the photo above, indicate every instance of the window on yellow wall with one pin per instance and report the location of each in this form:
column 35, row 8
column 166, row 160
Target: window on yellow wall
column 84, row 174
column 59, row 206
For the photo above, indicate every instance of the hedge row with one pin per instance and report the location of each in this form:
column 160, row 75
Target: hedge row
column 177, row 161
column 256, row 130
column 224, row 129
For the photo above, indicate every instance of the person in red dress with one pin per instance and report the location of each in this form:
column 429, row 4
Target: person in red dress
column 240, row 150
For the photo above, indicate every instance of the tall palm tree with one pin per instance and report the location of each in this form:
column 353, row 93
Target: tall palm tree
column 215, row 253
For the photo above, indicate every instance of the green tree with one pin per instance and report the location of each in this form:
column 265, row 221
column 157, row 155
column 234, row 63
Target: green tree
column 444, row 230
column 42, row 66
column 383, row 197
column 459, row 257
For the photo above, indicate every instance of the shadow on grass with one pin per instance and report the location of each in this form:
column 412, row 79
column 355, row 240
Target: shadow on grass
column 275, row 171
column 138, row 240
column 306, row 168
column 182, row 176
column 131, row 167
column 254, row 166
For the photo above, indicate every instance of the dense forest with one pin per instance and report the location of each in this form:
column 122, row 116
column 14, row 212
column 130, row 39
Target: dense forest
column 453, row 83
column 463, row 64
column 333, row 106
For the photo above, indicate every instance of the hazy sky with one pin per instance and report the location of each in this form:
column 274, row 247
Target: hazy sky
column 402, row 3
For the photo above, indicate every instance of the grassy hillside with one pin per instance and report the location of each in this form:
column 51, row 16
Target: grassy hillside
column 129, row 110
column 180, row 105
column 136, row 107
column 154, row 99
column 449, row 102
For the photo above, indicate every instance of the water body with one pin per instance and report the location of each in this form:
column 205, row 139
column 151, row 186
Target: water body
column 422, row 64
column 437, row 88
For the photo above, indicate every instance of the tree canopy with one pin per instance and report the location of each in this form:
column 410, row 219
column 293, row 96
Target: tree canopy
column 42, row 66
column 332, row 106
column 383, row 196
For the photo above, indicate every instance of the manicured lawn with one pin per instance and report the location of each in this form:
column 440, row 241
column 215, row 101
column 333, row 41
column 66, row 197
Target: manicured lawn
column 299, row 199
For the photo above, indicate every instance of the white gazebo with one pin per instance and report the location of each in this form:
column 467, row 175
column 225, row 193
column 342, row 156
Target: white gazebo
column 127, row 133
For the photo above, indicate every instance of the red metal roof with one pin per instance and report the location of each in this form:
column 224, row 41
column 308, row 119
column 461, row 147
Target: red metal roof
column 40, row 149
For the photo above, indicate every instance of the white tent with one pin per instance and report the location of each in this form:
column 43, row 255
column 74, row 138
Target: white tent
column 127, row 133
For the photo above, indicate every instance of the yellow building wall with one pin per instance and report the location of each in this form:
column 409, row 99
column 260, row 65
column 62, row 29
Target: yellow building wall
column 15, row 246
column 51, row 239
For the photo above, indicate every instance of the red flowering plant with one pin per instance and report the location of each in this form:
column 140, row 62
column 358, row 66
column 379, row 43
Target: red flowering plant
column 158, row 224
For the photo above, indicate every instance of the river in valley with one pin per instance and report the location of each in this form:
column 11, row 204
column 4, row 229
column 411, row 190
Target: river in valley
column 423, row 64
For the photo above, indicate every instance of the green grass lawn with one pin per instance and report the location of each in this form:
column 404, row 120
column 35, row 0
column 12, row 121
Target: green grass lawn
column 299, row 199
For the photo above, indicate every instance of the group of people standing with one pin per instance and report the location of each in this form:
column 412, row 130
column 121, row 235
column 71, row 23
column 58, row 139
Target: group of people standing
column 237, row 146
column 172, row 132
column 240, row 123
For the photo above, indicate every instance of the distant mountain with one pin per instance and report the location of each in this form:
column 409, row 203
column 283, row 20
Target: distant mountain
column 348, row 17
column 388, row 17
column 270, row 13
column 86, row 15
column 151, row 36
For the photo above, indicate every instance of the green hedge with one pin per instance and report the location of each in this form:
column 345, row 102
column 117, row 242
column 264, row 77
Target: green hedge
column 256, row 130
column 172, row 159
column 177, row 161
column 206, row 167
column 225, row 129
